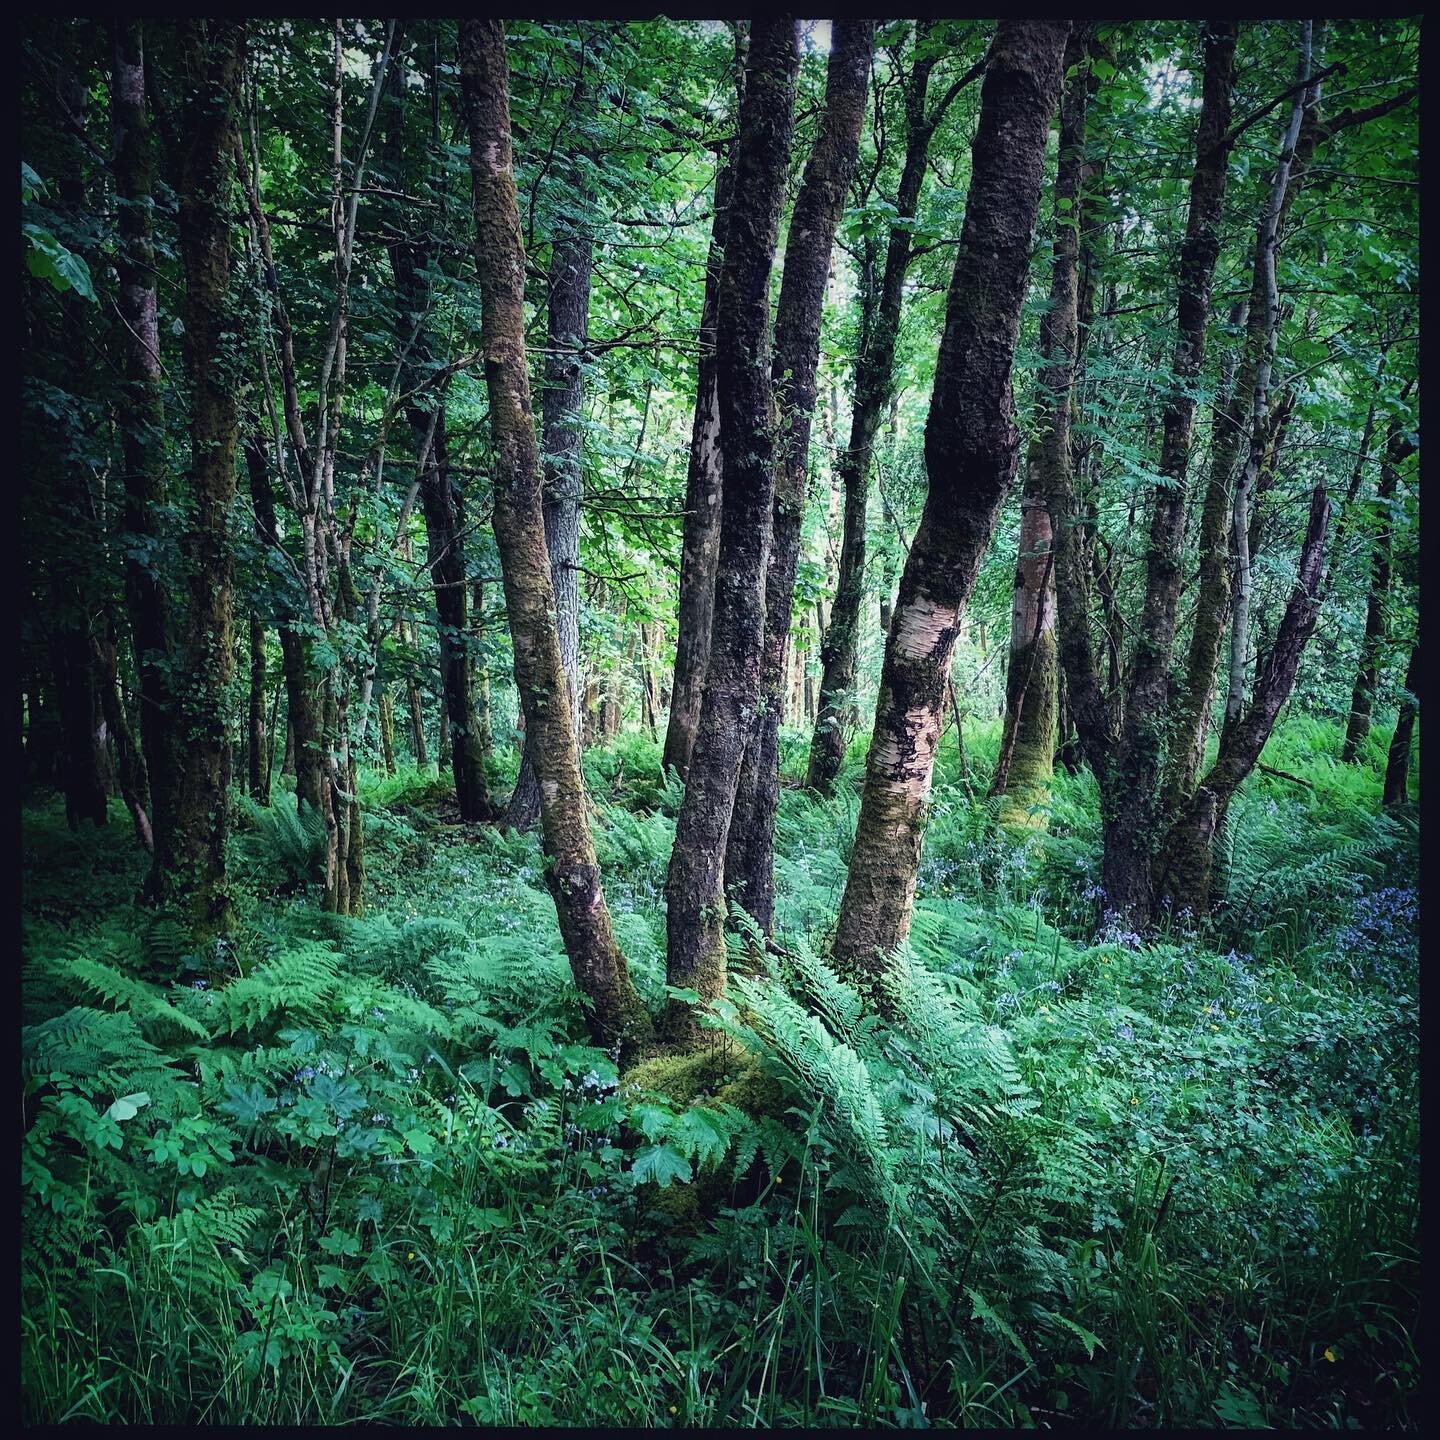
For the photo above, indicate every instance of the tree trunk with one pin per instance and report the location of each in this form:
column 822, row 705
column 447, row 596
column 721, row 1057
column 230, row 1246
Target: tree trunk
column 134, row 783
column 874, row 383
column 417, row 724
column 1397, row 767
column 1129, row 790
column 259, row 785
column 304, row 752
column 617, row 1016
column 142, row 418
column 561, row 404
column 700, row 544
column 386, row 721
column 1367, row 676
column 695, row 894
column 190, row 849
column 970, row 455
column 1265, row 302
column 1183, row 867
column 1025, row 761
column 750, row 850
column 412, row 258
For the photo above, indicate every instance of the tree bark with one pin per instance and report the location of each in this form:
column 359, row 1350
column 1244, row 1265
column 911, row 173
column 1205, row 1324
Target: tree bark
column 750, row 848
column 190, row 848
column 1265, row 304
column 695, row 609
column 142, row 418
column 694, row 889
column 971, row 447
column 1027, row 746
column 1367, row 676
column 1127, row 751
column 561, row 404
column 259, row 779
column 1183, row 866
column 617, row 1017
column 874, row 385
column 411, row 260
column 1397, row 766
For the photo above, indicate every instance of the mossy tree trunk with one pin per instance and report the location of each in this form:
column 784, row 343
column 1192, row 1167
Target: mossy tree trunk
column 190, row 848
column 971, row 448
column 561, row 405
column 750, row 847
column 1027, row 744
column 617, row 1017
column 694, row 887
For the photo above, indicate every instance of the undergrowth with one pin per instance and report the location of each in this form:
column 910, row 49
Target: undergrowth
column 369, row 1169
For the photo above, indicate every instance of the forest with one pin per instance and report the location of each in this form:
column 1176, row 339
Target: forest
column 719, row 722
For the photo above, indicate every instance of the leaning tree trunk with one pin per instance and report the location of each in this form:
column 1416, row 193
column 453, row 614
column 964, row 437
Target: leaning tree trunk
column 1264, row 305
column 617, row 1017
column 1027, row 745
column 190, row 849
column 567, row 328
column 971, row 447
column 694, row 887
column 1184, row 865
column 750, row 847
column 874, row 383
column 1397, row 767
column 700, row 544
column 1129, row 798
column 1367, row 676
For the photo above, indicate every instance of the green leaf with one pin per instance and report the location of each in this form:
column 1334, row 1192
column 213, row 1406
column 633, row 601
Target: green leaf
column 661, row 1164
column 127, row 1107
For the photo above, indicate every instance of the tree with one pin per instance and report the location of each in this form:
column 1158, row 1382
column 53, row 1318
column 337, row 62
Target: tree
column 694, row 886
column 749, row 857
column 874, row 379
column 1024, row 764
column 617, row 1016
column 971, row 447
column 190, row 846
column 695, row 607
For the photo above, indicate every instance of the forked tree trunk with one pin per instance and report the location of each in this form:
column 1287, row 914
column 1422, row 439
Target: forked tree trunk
column 190, row 852
column 700, row 543
column 617, row 1017
column 970, row 455
column 1397, row 768
column 750, row 848
column 1183, row 868
column 694, row 887
column 1129, row 765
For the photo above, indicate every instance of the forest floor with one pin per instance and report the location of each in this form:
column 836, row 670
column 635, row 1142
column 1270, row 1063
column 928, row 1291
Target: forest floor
column 369, row 1168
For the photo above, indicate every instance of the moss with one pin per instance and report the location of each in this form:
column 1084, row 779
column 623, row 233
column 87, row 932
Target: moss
column 721, row 1073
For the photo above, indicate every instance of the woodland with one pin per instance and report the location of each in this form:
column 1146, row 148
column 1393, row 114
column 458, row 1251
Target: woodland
column 719, row 722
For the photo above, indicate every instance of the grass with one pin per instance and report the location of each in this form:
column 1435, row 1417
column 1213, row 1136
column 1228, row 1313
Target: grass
column 369, row 1170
